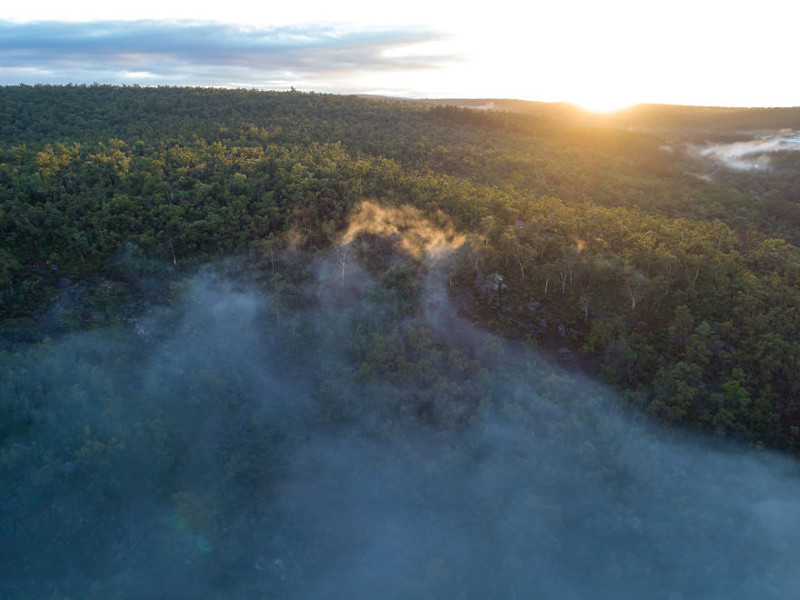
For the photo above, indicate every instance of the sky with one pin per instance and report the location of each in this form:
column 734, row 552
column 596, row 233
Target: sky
column 599, row 54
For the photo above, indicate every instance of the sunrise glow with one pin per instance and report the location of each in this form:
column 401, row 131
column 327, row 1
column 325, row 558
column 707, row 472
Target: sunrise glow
column 604, row 104
column 601, row 57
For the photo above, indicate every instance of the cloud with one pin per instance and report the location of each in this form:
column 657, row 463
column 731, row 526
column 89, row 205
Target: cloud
column 204, row 53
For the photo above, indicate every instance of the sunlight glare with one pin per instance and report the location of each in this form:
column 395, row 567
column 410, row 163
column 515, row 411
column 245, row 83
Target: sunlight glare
column 604, row 104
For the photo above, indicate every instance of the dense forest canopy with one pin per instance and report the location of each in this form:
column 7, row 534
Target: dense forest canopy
column 265, row 271
column 688, row 121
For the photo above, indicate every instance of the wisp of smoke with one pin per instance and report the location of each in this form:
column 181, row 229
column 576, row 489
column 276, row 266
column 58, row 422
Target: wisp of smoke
column 416, row 234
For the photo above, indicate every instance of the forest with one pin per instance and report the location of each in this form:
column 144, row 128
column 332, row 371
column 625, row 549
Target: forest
column 282, row 344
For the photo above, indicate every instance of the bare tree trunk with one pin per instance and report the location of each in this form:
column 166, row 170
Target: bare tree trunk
column 584, row 302
column 544, row 247
column 635, row 296
column 344, row 251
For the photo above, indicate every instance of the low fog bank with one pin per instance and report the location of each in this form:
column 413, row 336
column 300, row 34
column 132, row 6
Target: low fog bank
column 364, row 444
column 744, row 155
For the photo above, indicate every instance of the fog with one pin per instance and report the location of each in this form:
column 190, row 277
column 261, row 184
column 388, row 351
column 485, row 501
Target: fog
column 332, row 435
column 744, row 156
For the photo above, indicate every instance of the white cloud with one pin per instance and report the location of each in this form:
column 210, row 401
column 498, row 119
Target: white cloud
column 158, row 52
column 595, row 53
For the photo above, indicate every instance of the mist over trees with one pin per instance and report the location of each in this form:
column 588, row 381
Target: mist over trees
column 224, row 447
column 295, row 345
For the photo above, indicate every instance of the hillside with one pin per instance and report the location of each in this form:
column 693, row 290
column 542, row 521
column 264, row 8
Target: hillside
column 602, row 230
column 233, row 321
column 687, row 121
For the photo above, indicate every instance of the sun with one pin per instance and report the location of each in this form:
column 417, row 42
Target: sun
column 603, row 103
column 604, row 94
